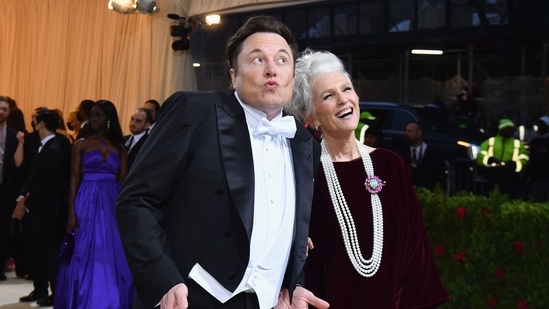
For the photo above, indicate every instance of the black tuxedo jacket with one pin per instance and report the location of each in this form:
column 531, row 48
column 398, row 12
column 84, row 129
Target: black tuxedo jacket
column 10, row 182
column 47, row 181
column 132, row 154
column 189, row 197
column 430, row 171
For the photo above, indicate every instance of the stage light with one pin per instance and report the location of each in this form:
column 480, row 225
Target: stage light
column 427, row 52
column 213, row 19
column 123, row 6
column 131, row 6
column 147, row 6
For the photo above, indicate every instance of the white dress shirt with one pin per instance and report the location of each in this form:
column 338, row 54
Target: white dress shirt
column 273, row 225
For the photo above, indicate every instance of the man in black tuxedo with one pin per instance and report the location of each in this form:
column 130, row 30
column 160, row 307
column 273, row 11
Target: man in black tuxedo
column 83, row 112
column 42, row 203
column 139, row 127
column 426, row 162
column 215, row 212
column 8, row 145
column 154, row 107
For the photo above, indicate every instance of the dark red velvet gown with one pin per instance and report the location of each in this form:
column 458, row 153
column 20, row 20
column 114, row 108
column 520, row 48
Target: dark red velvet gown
column 407, row 277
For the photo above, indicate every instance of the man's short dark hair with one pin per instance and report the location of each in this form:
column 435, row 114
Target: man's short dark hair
column 50, row 118
column 148, row 114
column 419, row 124
column 254, row 25
column 86, row 106
column 155, row 103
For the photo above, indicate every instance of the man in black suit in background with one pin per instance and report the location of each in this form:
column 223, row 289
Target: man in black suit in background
column 139, row 128
column 83, row 112
column 426, row 162
column 43, row 204
column 8, row 145
column 215, row 212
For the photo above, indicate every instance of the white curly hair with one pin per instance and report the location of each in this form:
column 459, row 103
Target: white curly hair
column 309, row 65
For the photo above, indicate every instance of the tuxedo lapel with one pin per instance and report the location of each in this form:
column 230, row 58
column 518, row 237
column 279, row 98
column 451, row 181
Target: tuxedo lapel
column 236, row 153
column 138, row 145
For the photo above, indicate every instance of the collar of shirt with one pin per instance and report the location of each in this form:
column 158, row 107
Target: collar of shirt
column 253, row 115
column 46, row 139
column 138, row 136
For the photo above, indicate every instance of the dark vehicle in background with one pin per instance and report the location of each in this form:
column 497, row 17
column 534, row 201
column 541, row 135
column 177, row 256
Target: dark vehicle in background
column 455, row 134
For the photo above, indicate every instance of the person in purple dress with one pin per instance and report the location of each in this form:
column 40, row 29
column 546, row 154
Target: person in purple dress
column 371, row 248
column 97, row 275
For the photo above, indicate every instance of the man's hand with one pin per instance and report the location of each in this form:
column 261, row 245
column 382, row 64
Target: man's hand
column 301, row 299
column 176, row 298
column 310, row 246
column 20, row 209
column 20, row 137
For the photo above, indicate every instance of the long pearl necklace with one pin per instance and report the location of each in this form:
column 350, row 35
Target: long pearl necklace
column 366, row 268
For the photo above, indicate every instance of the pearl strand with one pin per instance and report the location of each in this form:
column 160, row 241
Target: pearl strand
column 366, row 268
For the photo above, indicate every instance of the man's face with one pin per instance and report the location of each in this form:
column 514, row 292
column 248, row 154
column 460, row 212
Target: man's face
column 264, row 76
column 138, row 122
column 151, row 107
column 4, row 111
column 413, row 134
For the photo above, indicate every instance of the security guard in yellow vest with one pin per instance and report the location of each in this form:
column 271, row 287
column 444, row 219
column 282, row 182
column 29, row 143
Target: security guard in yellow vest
column 503, row 158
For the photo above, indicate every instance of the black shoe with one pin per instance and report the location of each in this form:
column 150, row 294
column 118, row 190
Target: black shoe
column 34, row 296
column 3, row 277
column 46, row 302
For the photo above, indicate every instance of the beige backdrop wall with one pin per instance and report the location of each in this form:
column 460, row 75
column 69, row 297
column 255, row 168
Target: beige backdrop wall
column 55, row 53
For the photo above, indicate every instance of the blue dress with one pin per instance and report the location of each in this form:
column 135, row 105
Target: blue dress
column 98, row 275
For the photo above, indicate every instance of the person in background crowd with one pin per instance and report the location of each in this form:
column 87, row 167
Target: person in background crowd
column 217, row 214
column 426, row 162
column 154, row 107
column 16, row 121
column 370, row 243
column 366, row 120
column 503, row 158
column 74, row 125
column 83, row 112
column 139, row 125
column 97, row 275
column 8, row 145
column 42, row 201
column 373, row 137
column 538, row 165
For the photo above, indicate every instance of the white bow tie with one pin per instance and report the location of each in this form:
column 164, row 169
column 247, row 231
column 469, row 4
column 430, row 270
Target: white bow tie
column 284, row 126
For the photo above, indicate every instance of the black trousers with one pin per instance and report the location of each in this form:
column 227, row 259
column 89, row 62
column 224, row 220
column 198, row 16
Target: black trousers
column 200, row 299
column 40, row 235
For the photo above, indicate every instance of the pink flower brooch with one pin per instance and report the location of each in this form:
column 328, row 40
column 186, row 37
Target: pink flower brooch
column 374, row 184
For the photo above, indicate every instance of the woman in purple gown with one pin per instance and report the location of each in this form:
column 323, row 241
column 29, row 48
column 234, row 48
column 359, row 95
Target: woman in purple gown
column 370, row 244
column 97, row 275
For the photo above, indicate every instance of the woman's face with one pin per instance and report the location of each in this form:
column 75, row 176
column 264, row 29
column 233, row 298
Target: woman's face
column 336, row 104
column 98, row 119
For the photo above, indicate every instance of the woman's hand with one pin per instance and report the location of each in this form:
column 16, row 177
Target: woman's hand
column 72, row 223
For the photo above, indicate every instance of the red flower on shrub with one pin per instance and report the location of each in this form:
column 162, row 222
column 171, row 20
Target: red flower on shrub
column 494, row 302
column 539, row 244
column 460, row 212
column 500, row 273
column 522, row 304
column 484, row 211
column 439, row 249
column 518, row 246
column 460, row 256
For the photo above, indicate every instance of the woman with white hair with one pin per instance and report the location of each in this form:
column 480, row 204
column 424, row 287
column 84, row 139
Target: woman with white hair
column 370, row 244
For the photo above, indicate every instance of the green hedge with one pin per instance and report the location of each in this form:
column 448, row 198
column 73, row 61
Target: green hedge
column 491, row 252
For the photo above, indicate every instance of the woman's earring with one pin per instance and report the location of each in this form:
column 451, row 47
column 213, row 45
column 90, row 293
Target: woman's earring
column 108, row 125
